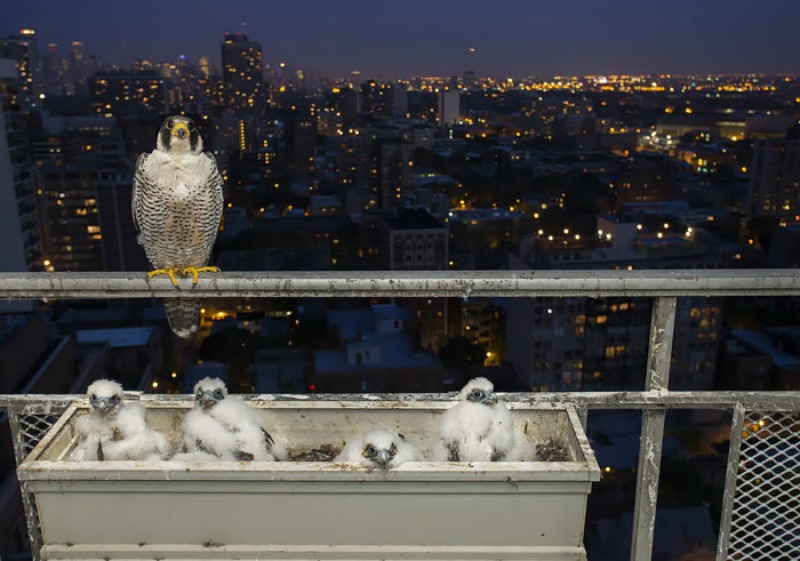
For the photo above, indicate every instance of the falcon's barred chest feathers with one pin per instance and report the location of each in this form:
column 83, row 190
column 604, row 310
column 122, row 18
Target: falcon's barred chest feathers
column 177, row 207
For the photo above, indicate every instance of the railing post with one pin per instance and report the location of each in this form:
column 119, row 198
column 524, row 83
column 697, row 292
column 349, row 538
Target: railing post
column 737, row 425
column 662, row 327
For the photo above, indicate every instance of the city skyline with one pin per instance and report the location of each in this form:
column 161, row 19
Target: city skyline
column 393, row 41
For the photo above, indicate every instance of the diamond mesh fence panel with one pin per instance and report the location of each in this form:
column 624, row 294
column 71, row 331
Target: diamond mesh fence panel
column 29, row 425
column 765, row 524
column 32, row 428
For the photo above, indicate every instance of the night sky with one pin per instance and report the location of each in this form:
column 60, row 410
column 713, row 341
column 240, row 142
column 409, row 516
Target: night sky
column 433, row 37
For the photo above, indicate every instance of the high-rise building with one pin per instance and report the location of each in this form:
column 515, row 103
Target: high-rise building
column 54, row 73
column 449, row 107
column 393, row 171
column 418, row 242
column 774, row 188
column 19, row 225
column 301, row 141
column 121, row 92
column 120, row 250
column 376, row 99
column 68, row 207
column 22, row 49
column 77, row 67
column 399, row 101
column 243, row 73
column 569, row 344
column 205, row 69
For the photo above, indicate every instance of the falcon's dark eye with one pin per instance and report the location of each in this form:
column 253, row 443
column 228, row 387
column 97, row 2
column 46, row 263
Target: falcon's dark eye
column 218, row 394
column 170, row 124
column 478, row 394
column 191, row 126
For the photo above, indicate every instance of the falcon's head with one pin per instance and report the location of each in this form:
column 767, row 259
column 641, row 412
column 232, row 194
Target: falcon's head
column 479, row 390
column 209, row 391
column 179, row 134
column 380, row 448
column 105, row 397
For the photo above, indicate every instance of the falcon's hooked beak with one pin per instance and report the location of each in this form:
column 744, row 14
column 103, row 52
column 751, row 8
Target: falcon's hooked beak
column 207, row 398
column 180, row 130
column 380, row 457
column 105, row 404
column 383, row 457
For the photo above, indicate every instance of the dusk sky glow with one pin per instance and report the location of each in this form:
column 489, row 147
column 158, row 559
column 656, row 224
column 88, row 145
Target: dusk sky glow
column 414, row 37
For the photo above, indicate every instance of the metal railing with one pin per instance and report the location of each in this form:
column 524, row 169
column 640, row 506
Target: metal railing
column 760, row 515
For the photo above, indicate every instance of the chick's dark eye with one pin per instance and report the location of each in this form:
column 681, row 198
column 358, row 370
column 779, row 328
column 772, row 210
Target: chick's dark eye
column 170, row 124
column 477, row 394
column 218, row 394
column 93, row 397
column 115, row 398
column 371, row 450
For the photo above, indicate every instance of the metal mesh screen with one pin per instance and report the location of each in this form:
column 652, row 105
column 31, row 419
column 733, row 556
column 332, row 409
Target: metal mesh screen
column 766, row 509
column 28, row 428
column 32, row 429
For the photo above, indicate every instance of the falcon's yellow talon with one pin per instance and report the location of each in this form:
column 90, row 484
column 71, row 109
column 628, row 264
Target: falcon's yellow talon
column 195, row 272
column 169, row 272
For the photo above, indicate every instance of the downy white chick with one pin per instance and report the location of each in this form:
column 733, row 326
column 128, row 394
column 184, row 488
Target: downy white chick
column 114, row 430
column 479, row 428
column 224, row 428
column 380, row 448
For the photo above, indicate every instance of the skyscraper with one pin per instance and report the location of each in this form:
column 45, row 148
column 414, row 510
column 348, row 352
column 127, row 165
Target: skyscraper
column 449, row 107
column 68, row 203
column 19, row 225
column 22, row 49
column 243, row 73
column 77, row 68
column 399, row 100
column 775, row 178
column 120, row 250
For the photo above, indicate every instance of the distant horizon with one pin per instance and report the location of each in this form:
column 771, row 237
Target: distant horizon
column 415, row 37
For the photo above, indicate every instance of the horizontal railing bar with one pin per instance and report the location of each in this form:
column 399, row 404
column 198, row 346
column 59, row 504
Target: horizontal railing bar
column 736, row 282
column 763, row 400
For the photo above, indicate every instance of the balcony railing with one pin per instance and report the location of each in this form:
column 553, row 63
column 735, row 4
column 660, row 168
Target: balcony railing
column 760, row 517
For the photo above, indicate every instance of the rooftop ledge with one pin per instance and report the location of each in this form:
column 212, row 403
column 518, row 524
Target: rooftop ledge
column 465, row 284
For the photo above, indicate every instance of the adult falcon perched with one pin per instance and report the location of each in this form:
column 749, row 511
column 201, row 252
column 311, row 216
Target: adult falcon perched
column 177, row 207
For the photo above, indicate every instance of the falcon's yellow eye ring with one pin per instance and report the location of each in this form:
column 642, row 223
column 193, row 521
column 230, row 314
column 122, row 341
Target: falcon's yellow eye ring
column 170, row 124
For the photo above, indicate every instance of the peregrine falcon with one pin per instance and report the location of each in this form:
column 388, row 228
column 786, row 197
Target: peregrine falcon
column 219, row 426
column 479, row 427
column 116, row 430
column 177, row 207
column 379, row 448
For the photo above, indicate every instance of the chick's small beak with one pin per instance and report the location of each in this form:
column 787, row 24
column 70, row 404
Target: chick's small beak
column 180, row 130
column 207, row 399
column 103, row 406
column 383, row 458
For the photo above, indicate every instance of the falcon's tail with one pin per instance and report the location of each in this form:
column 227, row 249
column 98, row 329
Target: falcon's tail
column 183, row 315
